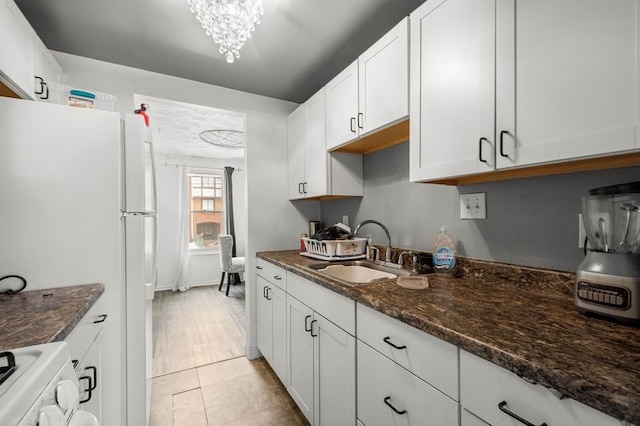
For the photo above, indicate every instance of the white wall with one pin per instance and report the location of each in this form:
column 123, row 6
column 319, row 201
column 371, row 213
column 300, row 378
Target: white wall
column 271, row 221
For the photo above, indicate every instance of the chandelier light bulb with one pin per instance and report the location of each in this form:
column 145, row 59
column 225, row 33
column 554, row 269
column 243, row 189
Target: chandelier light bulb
column 228, row 22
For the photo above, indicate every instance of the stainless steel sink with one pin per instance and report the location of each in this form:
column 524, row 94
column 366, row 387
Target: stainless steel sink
column 357, row 272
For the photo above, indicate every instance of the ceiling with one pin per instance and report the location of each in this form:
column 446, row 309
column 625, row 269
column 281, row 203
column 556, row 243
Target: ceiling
column 298, row 47
column 177, row 128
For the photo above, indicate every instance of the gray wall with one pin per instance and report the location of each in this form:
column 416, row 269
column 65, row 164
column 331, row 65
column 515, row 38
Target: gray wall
column 532, row 222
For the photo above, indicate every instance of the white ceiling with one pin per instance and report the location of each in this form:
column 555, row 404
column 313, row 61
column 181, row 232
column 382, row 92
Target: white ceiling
column 176, row 128
column 299, row 46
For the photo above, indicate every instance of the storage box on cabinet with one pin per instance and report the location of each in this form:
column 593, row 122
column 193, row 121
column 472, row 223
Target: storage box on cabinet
column 390, row 395
column 485, row 388
column 433, row 360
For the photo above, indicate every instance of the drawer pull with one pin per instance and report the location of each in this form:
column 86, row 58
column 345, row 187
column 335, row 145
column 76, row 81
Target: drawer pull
column 503, row 407
column 313, row 335
column 388, row 342
column 89, row 388
column 101, row 318
column 277, row 277
column 306, row 325
column 258, row 267
column 386, row 401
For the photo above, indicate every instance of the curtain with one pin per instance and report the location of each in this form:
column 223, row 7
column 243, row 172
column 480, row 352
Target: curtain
column 182, row 283
column 229, row 221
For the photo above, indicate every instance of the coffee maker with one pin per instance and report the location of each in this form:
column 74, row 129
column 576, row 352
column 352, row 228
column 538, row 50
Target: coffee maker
column 608, row 279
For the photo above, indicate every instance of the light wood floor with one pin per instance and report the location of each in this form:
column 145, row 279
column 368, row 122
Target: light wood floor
column 201, row 376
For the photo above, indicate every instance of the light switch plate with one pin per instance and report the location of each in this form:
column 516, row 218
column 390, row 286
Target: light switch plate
column 473, row 206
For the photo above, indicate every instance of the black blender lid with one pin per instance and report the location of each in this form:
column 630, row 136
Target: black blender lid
column 622, row 188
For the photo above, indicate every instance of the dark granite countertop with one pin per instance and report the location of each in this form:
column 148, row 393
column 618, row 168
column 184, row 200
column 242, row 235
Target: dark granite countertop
column 519, row 318
column 42, row 316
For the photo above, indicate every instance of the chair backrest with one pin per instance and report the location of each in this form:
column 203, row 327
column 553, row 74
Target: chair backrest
column 225, row 243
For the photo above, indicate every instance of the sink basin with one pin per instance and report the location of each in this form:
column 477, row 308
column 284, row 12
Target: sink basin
column 357, row 272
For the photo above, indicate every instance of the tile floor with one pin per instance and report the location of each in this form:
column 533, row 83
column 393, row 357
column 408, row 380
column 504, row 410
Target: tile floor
column 233, row 391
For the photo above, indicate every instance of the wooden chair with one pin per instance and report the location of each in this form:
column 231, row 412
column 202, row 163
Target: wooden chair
column 228, row 264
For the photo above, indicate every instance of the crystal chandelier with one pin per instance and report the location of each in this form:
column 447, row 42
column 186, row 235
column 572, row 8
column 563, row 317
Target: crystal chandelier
column 229, row 22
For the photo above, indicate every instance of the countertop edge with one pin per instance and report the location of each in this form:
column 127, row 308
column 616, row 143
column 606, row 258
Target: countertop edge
column 540, row 374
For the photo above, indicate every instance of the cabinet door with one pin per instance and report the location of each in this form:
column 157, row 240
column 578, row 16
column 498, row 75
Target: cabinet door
column 295, row 150
column 279, row 332
column 342, row 107
column 390, row 395
column 315, row 155
column 334, row 374
column 468, row 419
column 16, row 51
column 90, row 376
column 264, row 309
column 566, row 79
column 46, row 72
column 383, row 79
column 300, row 355
column 452, row 81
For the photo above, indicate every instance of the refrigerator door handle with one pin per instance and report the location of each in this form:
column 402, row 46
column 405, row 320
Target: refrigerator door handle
column 154, row 176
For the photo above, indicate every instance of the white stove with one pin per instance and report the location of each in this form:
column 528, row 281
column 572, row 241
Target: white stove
column 40, row 387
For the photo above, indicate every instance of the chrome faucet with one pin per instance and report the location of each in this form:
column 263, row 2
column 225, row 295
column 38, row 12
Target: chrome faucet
column 386, row 231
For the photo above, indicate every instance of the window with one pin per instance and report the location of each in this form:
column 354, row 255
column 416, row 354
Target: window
column 205, row 224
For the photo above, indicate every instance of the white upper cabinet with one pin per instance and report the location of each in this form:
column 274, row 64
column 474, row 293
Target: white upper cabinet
column 372, row 92
column 342, row 107
column 313, row 172
column 23, row 57
column 567, row 79
column 452, row 81
column 499, row 84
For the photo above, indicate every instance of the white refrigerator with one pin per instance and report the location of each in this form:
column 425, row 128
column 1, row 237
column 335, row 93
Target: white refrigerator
column 78, row 206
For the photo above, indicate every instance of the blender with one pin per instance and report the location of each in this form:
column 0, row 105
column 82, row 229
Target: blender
column 608, row 279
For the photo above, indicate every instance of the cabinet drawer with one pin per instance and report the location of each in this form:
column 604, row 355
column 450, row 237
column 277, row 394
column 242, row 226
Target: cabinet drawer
column 272, row 273
column 483, row 386
column 433, row 360
column 83, row 334
column 382, row 384
column 336, row 308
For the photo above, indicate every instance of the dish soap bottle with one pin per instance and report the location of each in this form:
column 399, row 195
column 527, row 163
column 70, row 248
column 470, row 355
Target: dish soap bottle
column 444, row 258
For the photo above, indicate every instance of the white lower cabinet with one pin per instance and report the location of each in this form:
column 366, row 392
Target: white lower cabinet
column 468, row 419
column 272, row 323
column 321, row 353
column 499, row 397
column 85, row 348
column 390, row 395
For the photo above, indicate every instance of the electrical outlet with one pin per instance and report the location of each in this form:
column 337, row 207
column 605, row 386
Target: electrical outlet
column 473, row 206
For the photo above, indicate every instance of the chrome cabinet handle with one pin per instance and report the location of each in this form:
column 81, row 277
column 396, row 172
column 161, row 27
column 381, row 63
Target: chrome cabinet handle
column 503, row 407
column 360, row 120
column 386, row 401
column 300, row 188
column 388, row 342
column 264, row 292
column 268, row 289
column 352, row 124
column 313, row 335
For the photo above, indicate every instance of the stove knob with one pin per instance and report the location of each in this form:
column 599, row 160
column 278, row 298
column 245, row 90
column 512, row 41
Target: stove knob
column 51, row 415
column 67, row 394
